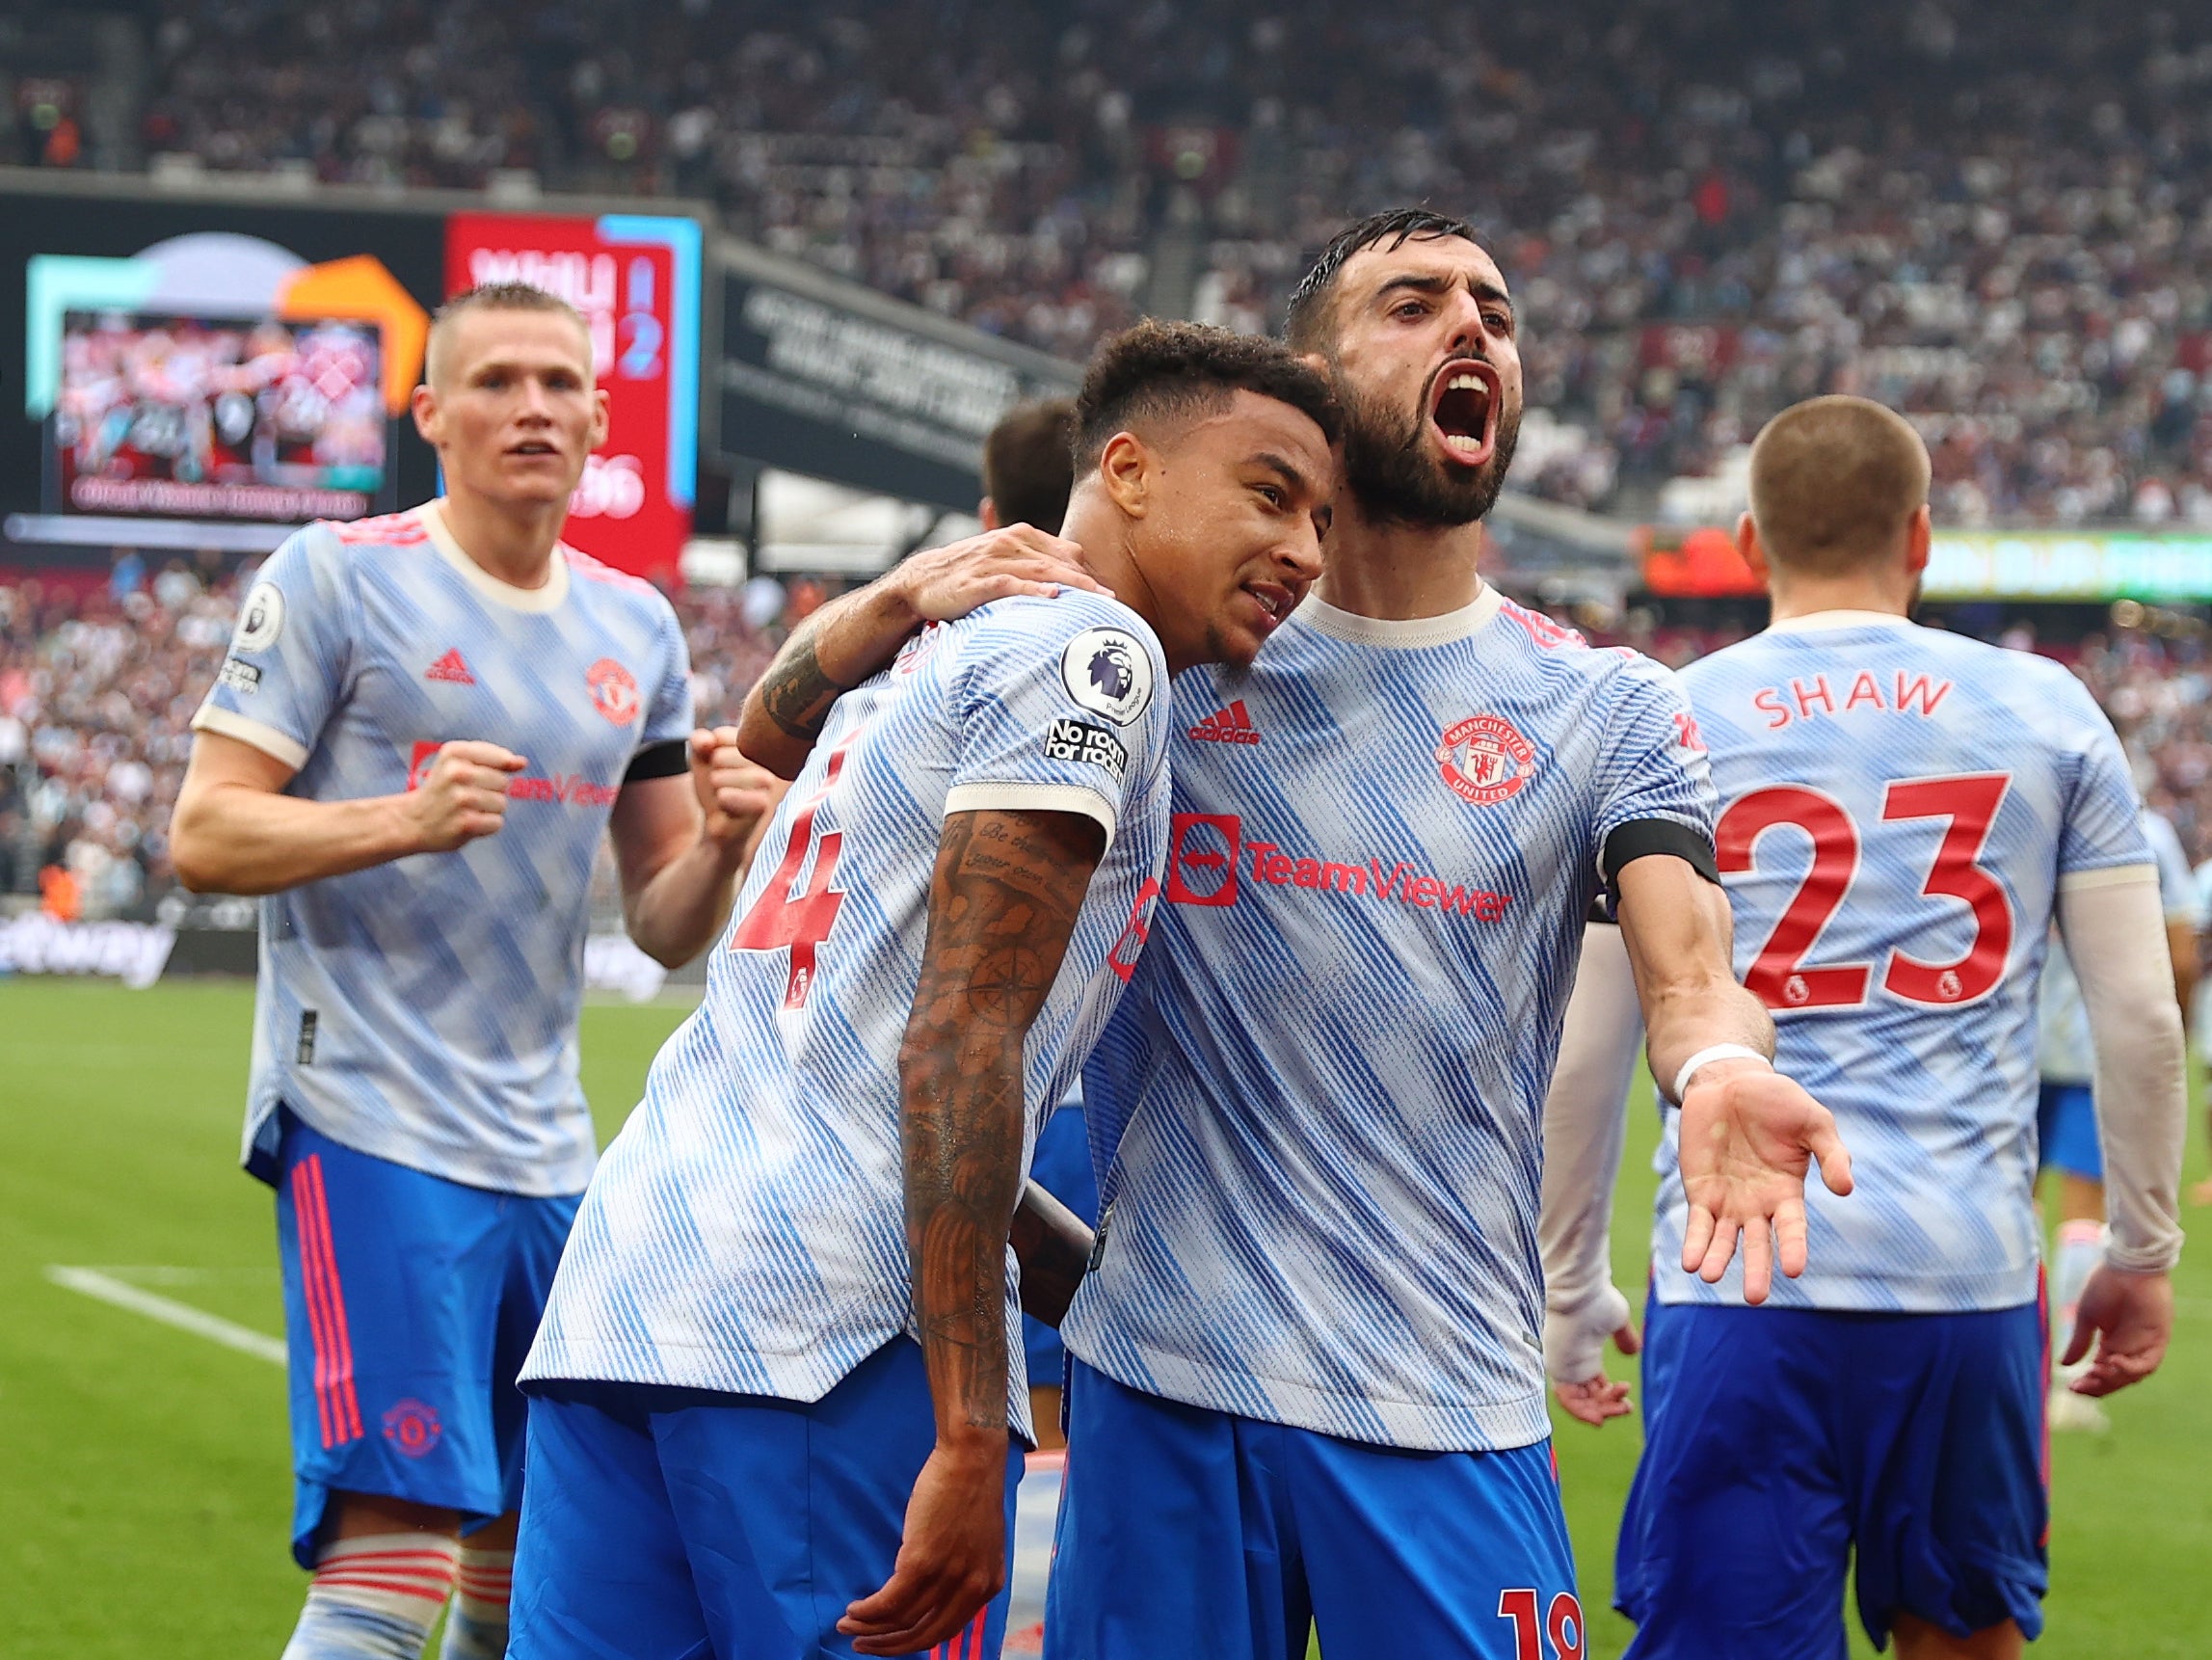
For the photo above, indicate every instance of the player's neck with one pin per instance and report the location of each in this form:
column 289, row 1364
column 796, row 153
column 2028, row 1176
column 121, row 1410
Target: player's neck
column 1809, row 596
column 1397, row 572
column 514, row 543
column 1107, row 556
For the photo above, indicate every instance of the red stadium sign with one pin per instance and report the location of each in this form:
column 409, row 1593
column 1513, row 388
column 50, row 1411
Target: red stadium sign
column 636, row 280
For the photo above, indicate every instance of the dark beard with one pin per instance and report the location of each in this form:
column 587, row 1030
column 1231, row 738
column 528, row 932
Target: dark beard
column 1396, row 478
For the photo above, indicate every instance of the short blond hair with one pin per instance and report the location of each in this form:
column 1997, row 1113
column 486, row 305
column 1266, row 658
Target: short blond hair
column 496, row 297
column 1834, row 482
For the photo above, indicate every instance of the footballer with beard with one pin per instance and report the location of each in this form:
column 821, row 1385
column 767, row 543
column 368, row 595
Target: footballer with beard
column 1307, row 1385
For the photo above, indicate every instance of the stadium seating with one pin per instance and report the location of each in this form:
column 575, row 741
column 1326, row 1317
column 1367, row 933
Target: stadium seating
column 97, row 690
column 1989, row 217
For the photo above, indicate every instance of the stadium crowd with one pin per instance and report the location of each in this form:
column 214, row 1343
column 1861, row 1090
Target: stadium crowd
column 1996, row 220
column 97, row 690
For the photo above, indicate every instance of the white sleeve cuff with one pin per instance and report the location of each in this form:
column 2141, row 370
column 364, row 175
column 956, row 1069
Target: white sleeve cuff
column 226, row 723
column 1033, row 798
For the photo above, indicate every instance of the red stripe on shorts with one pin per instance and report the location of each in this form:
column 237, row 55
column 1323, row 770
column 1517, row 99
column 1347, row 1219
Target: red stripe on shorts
column 2044, row 1308
column 333, row 1348
column 311, row 1293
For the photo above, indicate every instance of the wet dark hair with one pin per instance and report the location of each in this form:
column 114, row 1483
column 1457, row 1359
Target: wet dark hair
column 1166, row 369
column 1307, row 323
column 1028, row 464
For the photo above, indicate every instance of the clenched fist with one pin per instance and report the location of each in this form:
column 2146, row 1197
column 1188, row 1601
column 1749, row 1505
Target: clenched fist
column 463, row 796
column 733, row 792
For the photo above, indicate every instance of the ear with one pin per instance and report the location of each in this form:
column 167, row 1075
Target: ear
column 1126, row 470
column 987, row 513
column 1753, row 554
column 1919, row 534
column 1316, row 361
column 598, row 416
column 423, row 405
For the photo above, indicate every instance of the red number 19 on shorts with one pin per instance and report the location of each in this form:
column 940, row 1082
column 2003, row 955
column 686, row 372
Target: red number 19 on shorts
column 1562, row 1624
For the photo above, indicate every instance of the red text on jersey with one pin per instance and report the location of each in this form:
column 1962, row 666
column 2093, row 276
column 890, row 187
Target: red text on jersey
column 1810, row 700
column 1206, row 862
column 569, row 788
column 1231, row 725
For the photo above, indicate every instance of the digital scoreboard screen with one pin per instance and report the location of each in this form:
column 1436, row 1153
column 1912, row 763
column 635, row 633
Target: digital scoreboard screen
column 217, row 419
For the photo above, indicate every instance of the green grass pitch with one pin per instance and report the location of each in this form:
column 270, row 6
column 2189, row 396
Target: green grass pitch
column 144, row 1492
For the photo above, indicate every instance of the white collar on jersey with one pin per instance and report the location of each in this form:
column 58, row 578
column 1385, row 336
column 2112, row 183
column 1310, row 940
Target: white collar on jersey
column 1812, row 622
column 1324, row 618
column 546, row 599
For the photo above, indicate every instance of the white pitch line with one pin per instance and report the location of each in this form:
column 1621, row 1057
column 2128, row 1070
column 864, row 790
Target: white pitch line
column 91, row 1282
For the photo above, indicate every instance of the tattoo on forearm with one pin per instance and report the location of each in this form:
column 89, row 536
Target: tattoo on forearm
column 795, row 692
column 1002, row 906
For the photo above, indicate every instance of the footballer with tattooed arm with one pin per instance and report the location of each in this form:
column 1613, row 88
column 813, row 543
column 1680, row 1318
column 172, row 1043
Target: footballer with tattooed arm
column 777, row 1398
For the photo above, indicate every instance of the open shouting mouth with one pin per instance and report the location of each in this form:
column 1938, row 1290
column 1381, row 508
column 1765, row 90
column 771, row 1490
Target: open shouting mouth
column 1463, row 410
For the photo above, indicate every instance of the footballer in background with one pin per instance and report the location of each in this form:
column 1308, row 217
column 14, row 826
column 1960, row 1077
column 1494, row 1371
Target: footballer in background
column 425, row 725
column 1905, row 814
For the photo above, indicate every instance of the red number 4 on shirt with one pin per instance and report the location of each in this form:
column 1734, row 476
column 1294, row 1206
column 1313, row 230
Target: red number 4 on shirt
column 781, row 918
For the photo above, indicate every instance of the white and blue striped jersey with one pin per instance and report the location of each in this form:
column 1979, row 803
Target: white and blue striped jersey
column 2064, row 1049
column 424, row 1010
column 747, row 1230
column 1318, row 1114
column 1900, row 809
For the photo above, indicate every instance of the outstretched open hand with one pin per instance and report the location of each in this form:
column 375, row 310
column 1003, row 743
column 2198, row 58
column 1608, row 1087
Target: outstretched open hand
column 1747, row 1136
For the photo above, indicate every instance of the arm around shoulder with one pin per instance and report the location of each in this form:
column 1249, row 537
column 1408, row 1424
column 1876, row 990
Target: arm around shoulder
column 857, row 636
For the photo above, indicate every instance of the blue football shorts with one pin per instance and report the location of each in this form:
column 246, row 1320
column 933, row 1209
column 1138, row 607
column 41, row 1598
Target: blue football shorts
column 1778, row 1441
column 410, row 1304
column 2065, row 1130
column 1189, row 1533
column 682, row 1524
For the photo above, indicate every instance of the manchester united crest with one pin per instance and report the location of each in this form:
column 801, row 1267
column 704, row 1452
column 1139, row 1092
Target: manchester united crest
column 413, row 1428
column 614, row 690
column 1485, row 758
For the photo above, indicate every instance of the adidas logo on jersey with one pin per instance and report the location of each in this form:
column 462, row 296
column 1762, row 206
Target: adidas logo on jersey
column 1231, row 725
column 450, row 667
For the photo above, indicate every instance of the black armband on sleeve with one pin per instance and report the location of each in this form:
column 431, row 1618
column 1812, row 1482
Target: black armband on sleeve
column 668, row 758
column 1643, row 836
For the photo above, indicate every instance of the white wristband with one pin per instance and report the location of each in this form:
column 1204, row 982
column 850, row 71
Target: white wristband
column 1715, row 1051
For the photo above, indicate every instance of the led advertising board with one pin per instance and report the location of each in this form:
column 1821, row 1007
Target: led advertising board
column 636, row 279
